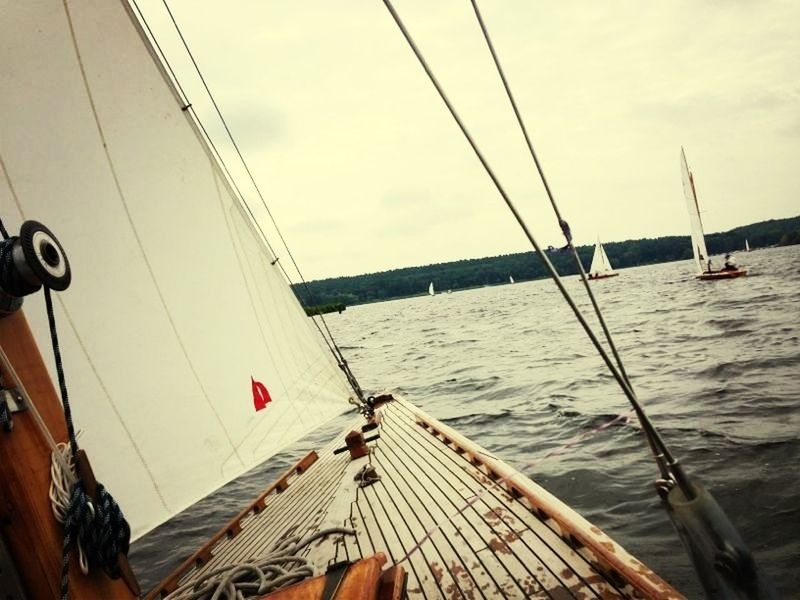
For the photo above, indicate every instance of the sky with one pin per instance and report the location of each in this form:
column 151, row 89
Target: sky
column 364, row 169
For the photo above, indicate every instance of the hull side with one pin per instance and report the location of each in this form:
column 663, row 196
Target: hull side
column 715, row 275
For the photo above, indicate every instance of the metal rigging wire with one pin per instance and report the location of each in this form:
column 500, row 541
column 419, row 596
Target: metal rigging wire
column 657, row 453
column 330, row 341
column 667, row 463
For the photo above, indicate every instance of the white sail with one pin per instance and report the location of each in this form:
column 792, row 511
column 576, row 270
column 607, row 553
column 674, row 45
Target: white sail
column 746, row 246
column 431, row 292
column 510, row 279
column 601, row 265
column 695, row 222
column 175, row 303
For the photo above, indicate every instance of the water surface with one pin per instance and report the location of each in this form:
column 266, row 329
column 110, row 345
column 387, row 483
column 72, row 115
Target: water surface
column 716, row 365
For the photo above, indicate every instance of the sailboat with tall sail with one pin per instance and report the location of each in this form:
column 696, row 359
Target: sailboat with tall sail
column 184, row 358
column 511, row 279
column 705, row 270
column 431, row 291
column 746, row 246
column 601, row 266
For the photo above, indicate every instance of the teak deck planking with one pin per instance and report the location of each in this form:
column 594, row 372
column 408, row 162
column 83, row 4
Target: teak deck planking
column 462, row 523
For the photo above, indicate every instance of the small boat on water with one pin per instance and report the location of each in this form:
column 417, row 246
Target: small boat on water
column 705, row 270
column 184, row 358
column 746, row 246
column 510, row 279
column 431, row 291
column 601, row 266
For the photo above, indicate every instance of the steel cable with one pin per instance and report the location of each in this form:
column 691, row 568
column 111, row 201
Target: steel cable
column 654, row 439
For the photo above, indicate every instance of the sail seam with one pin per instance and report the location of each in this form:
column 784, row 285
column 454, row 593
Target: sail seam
column 255, row 300
column 333, row 347
column 92, row 366
column 134, row 230
column 11, row 186
column 199, row 130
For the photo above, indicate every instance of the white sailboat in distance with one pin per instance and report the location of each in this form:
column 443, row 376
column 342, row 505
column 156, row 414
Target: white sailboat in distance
column 702, row 261
column 601, row 266
column 511, row 279
column 431, row 291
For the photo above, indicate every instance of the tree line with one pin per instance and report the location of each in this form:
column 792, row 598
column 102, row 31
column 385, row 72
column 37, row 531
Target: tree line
column 524, row 266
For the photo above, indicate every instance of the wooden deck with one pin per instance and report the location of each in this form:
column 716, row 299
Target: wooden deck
column 462, row 523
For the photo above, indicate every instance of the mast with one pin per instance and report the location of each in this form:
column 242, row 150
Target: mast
column 28, row 529
column 96, row 141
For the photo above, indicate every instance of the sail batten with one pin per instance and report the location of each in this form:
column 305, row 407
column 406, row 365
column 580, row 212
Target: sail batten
column 176, row 305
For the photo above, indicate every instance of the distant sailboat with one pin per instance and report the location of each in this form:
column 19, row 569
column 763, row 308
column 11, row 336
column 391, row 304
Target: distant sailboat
column 699, row 251
column 746, row 246
column 510, row 279
column 431, row 292
column 601, row 267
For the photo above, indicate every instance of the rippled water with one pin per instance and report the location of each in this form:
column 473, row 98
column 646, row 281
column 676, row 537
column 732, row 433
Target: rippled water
column 716, row 364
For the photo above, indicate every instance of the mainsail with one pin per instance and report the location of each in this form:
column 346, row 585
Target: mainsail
column 600, row 263
column 431, row 292
column 696, row 224
column 177, row 311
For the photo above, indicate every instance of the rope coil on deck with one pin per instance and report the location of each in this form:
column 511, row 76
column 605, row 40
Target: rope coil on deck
column 280, row 567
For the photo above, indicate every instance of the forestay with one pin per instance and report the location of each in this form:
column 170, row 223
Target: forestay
column 175, row 302
column 698, row 240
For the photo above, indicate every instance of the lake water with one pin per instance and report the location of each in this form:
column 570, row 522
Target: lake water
column 716, row 365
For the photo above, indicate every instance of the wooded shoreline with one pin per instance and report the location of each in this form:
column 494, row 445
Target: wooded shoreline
column 524, row 266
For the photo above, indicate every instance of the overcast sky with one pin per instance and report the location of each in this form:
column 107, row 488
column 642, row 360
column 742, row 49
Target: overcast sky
column 365, row 170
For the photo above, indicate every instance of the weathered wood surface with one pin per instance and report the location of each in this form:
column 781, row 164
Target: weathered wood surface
column 363, row 580
column 33, row 536
column 461, row 523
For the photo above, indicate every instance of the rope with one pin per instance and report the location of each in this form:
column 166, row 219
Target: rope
column 37, row 417
column 11, row 280
column 98, row 529
column 5, row 415
column 280, row 567
column 61, row 485
column 565, row 229
column 656, row 443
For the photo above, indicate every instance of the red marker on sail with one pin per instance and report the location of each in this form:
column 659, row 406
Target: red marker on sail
column 261, row 396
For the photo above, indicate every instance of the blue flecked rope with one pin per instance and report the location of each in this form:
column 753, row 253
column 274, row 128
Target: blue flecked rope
column 100, row 528
column 5, row 415
column 10, row 279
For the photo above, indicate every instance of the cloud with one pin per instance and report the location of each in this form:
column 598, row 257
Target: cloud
column 350, row 143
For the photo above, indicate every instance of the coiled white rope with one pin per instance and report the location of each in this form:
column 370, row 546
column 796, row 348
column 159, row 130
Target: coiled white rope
column 61, row 483
column 280, row 567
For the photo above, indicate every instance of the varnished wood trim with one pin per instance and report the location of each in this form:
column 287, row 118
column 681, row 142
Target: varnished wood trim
column 34, row 538
column 360, row 582
column 609, row 557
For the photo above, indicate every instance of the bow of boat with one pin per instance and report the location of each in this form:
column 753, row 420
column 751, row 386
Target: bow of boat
column 460, row 522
